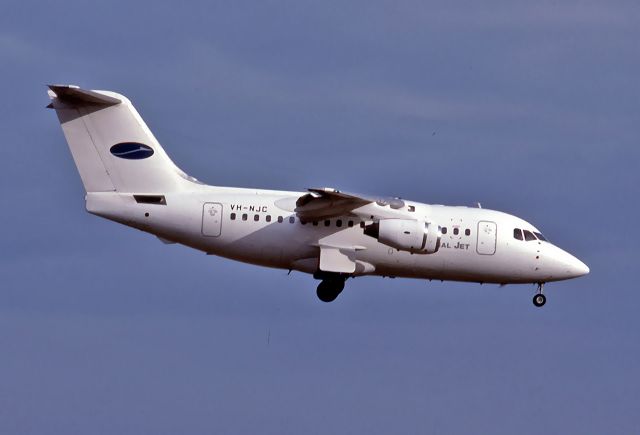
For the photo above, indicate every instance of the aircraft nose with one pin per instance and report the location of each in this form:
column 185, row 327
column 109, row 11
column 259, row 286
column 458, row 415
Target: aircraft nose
column 577, row 267
column 567, row 265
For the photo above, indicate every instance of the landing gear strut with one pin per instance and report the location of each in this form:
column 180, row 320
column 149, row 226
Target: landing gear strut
column 539, row 299
column 329, row 288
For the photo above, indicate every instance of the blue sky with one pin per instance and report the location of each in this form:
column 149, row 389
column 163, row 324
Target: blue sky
column 528, row 107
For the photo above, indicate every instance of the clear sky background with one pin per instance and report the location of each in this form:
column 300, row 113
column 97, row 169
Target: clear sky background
column 528, row 107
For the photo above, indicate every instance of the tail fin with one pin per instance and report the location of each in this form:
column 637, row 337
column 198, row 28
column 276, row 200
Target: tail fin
column 111, row 145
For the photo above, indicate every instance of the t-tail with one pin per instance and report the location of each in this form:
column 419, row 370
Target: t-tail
column 112, row 147
column 123, row 168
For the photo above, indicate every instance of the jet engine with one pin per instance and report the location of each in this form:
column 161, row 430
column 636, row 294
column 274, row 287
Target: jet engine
column 415, row 236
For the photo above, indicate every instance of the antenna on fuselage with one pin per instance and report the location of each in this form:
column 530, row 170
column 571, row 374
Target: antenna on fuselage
column 479, row 205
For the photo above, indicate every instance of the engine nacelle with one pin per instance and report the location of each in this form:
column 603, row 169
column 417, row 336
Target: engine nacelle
column 406, row 235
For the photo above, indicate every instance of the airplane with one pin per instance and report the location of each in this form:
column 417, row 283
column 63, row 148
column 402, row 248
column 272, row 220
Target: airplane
column 330, row 234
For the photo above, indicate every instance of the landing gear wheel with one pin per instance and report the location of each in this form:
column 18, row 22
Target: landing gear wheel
column 329, row 289
column 539, row 300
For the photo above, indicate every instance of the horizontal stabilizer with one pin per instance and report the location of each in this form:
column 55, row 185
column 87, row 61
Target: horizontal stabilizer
column 73, row 95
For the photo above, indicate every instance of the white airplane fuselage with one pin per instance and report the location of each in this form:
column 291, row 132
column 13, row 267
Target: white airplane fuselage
column 334, row 235
column 483, row 250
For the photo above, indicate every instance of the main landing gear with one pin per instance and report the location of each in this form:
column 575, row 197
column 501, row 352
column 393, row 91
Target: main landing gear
column 330, row 287
column 539, row 299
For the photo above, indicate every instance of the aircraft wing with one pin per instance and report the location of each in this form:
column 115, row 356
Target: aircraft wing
column 325, row 203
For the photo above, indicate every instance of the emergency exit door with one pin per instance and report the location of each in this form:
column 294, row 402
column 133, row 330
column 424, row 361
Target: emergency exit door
column 211, row 219
column 487, row 235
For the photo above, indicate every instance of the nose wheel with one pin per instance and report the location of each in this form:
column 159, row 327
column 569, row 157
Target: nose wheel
column 539, row 299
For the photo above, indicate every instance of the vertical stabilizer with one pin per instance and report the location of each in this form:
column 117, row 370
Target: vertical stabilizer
column 111, row 145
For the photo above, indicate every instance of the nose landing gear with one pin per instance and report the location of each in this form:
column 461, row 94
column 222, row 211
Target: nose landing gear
column 539, row 299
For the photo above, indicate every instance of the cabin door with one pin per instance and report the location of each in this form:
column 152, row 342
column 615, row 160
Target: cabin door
column 487, row 235
column 211, row 219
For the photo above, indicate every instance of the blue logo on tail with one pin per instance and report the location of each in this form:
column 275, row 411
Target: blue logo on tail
column 131, row 151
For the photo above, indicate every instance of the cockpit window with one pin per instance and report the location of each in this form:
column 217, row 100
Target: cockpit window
column 517, row 234
column 540, row 236
column 528, row 236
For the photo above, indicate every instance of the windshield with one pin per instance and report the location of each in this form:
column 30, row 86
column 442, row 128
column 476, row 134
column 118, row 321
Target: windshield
column 540, row 236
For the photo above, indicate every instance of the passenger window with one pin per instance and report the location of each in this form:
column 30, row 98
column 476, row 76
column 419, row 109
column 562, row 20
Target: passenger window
column 540, row 236
column 456, row 231
column 280, row 219
column 292, row 220
column 303, row 222
column 517, row 234
column 315, row 223
column 233, row 216
column 412, row 208
column 256, row 218
column 467, row 232
column 444, row 230
column 244, row 216
column 350, row 224
column 339, row 223
column 528, row 236
column 327, row 223
column 362, row 224
column 268, row 218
